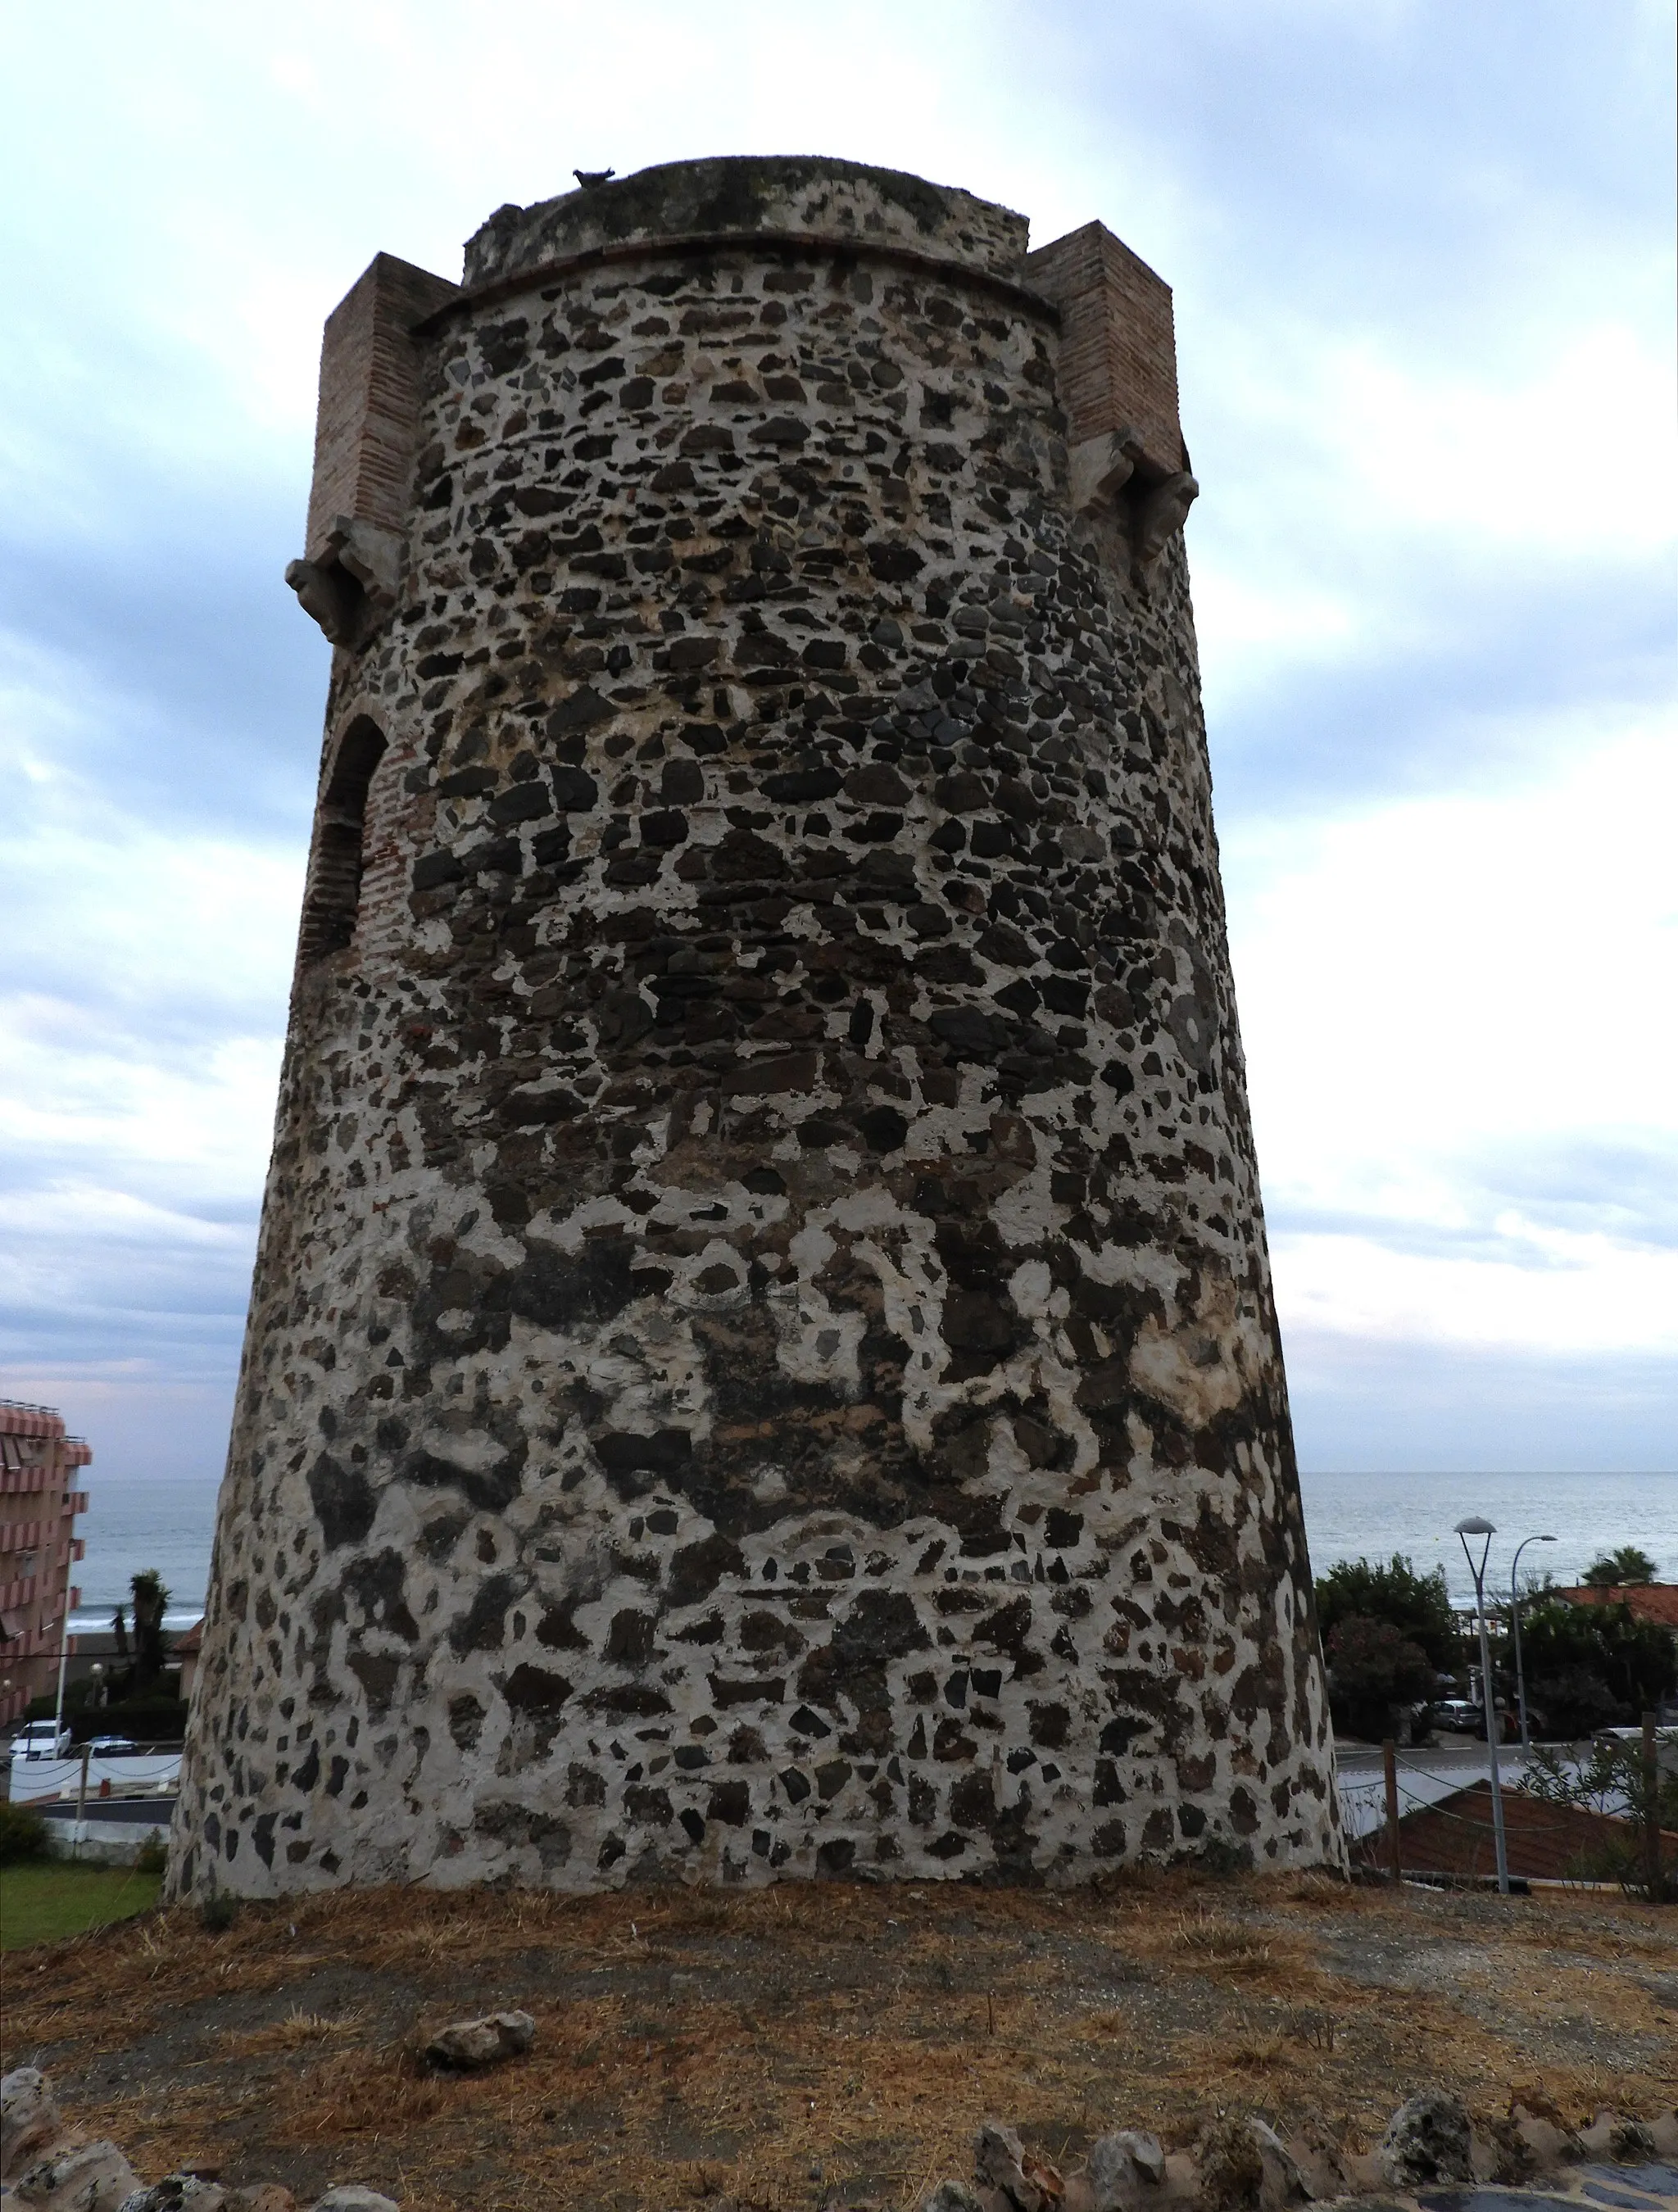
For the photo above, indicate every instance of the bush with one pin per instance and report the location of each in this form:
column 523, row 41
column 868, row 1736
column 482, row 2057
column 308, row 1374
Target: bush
column 1613, row 1781
column 1418, row 1606
column 143, row 1720
column 45, row 1707
column 1570, row 1703
column 153, row 1854
column 1373, row 1667
column 1635, row 1662
column 22, row 1834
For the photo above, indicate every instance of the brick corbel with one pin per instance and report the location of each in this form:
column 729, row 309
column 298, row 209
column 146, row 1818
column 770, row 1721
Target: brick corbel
column 366, row 429
column 353, row 577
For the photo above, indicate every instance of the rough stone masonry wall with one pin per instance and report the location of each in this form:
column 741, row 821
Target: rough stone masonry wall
column 761, row 1358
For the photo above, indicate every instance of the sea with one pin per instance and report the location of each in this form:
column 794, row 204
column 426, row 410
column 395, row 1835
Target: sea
column 166, row 1522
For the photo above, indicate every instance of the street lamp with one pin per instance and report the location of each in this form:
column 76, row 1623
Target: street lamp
column 1474, row 1526
column 1515, row 1618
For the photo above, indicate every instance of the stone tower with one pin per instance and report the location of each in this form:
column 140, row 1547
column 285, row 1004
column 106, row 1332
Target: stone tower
column 761, row 1359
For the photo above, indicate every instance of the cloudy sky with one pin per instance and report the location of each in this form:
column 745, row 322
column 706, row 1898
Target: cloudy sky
column 1423, row 259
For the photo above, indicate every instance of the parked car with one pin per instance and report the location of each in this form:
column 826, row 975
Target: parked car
column 110, row 1746
column 1457, row 1716
column 41, row 1740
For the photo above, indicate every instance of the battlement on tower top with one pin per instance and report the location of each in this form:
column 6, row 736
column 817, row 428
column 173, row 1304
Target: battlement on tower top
column 753, row 195
column 1117, row 372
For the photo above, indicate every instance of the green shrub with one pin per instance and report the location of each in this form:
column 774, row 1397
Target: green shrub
column 45, row 1707
column 1417, row 1606
column 1635, row 1662
column 1612, row 1780
column 143, row 1720
column 153, row 1854
column 22, row 1834
column 1572, row 1702
column 1373, row 1667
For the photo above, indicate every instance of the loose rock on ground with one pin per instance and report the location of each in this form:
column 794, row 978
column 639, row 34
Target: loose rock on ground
column 1241, row 2164
column 466, row 2045
column 46, row 2166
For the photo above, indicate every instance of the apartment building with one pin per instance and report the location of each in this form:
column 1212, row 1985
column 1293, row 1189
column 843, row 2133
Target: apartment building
column 39, row 1546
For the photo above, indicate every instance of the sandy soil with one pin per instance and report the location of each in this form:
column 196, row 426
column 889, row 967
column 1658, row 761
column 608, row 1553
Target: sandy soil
column 770, row 2047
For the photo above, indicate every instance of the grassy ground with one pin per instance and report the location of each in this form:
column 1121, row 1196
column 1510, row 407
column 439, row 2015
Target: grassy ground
column 766, row 2046
column 40, row 1903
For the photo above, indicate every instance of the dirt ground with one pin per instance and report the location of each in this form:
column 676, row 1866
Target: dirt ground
column 767, row 2046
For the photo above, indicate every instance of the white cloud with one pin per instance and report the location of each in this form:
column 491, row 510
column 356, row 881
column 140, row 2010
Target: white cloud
column 203, row 1119
column 1576, row 1295
column 1422, row 309
column 142, row 913
column 1576, row 455
column 1437, row 987
column 1254, row 627
column 151, row 1039
column 96, row 1211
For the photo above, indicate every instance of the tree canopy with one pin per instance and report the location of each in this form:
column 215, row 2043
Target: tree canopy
column 1417, row 1606
column 1566, row 1647
column 151, row 1600
column 1374, row 1667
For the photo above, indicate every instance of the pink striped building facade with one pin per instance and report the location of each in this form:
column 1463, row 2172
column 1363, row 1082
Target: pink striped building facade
column 39, row 1546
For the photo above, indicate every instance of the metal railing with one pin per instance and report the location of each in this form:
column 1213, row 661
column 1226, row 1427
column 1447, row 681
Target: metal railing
column 1371, row 1813
column 141, row 1772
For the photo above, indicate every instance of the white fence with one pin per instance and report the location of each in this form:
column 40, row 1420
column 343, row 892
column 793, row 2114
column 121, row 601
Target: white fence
column 129, row 1774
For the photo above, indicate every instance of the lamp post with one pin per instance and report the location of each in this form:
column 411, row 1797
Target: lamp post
column 63, row 1631
column 1515, row 1619
column 1474, row 1526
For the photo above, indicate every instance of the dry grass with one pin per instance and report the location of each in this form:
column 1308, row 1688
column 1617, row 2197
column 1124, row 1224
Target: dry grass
column 294, row 2032
column 691, row 2046
column 1211, row 1936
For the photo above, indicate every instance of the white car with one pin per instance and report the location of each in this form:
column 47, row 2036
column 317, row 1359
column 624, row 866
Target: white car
column 41, row 1740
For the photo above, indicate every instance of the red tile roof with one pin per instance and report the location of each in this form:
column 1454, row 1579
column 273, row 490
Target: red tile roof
column 1656, row 1602
column 1552, row 1843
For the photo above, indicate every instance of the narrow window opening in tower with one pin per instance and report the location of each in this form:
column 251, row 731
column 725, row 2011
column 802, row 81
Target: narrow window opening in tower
column 335, row 874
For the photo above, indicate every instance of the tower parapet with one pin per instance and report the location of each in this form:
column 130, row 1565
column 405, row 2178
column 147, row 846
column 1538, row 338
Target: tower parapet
column 761, row 1359
column 777, row 202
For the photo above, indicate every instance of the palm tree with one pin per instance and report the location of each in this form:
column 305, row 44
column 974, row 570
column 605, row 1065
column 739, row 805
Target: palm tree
column 150, row 1601
column 1613, row 1569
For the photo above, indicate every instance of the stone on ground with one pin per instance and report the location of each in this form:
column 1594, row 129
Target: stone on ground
column 1122, row 2165
column 467, row 2045
column 92, row 2177
column 1427, row 2143
column 30, row 2121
